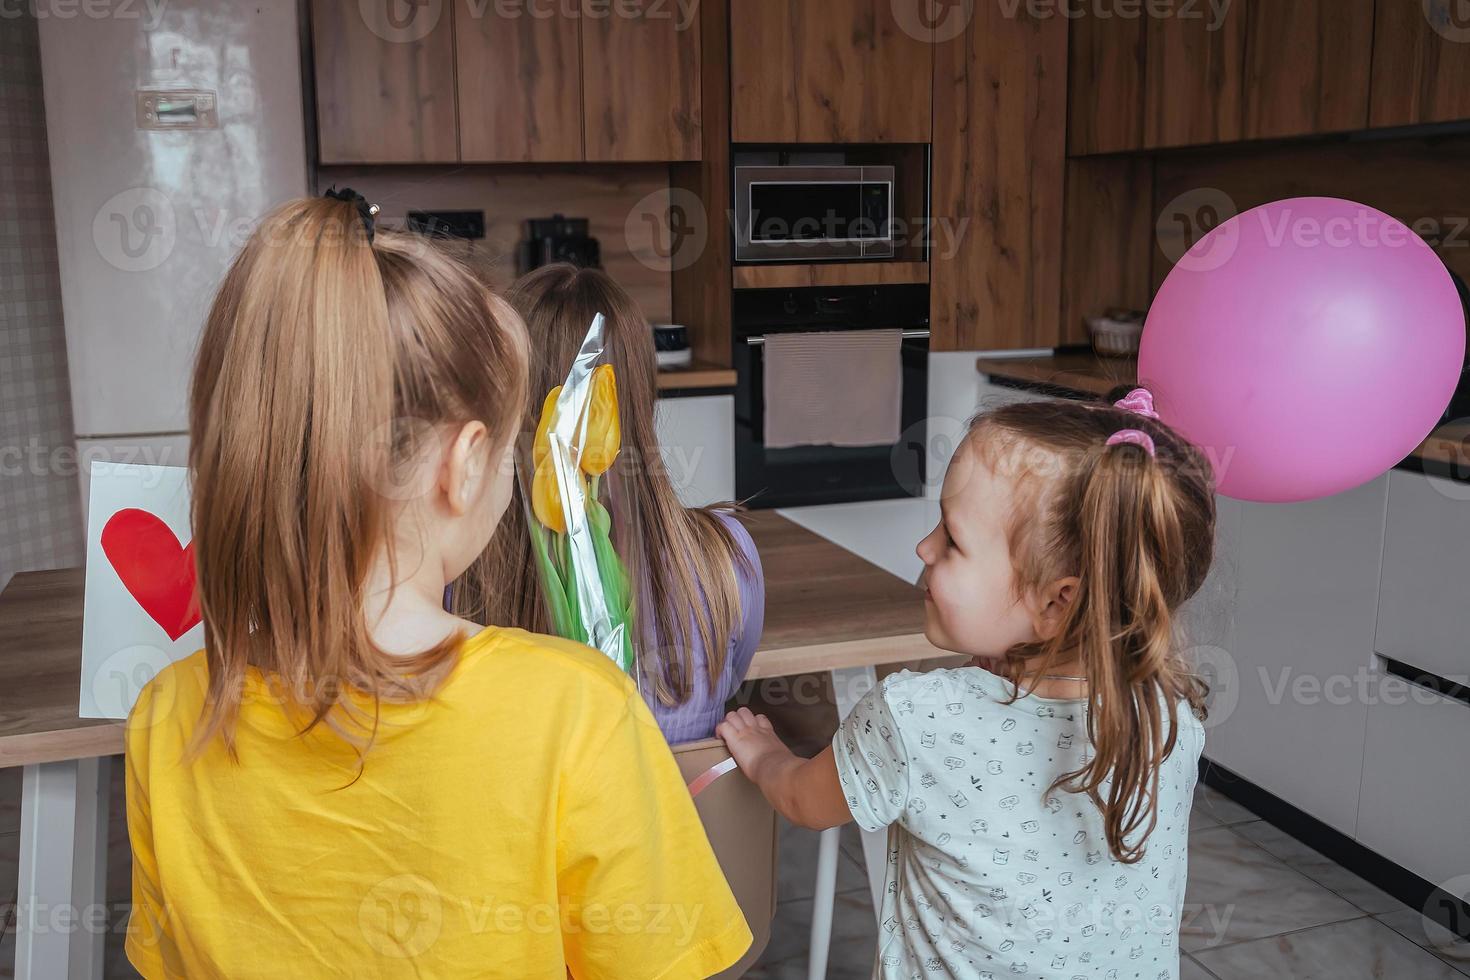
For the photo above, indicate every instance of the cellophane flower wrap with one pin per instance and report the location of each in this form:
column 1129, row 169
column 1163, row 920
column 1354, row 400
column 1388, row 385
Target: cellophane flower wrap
column 566, row 484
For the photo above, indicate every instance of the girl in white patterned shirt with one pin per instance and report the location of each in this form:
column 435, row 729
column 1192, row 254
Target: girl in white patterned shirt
column 1037, row 800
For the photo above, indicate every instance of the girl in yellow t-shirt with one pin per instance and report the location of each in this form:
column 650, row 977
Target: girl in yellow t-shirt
column 349, row 781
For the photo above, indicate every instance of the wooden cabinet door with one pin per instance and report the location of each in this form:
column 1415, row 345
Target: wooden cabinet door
column 384, row 81
column 1195, row 75
column 640, row 80
column 830, row 71
column 1105, row 78
column 763, row 71
column 1308, row 64
column 1421, row 62
column 1000, row 92
column 520, row 88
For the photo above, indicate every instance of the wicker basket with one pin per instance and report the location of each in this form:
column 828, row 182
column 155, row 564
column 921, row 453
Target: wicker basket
column 1116, row 335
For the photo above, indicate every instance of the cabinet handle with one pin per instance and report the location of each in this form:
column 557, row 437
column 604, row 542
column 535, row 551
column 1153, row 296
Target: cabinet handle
column 1419, row 677
column 759, row 341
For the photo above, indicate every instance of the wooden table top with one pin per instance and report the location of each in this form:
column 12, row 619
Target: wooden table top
column 41, row 673
column 825, row 608
column 1449, row 444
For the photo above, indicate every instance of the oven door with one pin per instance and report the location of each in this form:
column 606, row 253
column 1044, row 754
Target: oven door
column 801, row 475
column 811, row 214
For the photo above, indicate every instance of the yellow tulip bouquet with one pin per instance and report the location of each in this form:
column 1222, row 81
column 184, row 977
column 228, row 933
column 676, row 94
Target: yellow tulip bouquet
column 584, row 582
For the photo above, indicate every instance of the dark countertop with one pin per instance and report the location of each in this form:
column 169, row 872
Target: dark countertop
column 1447, row 448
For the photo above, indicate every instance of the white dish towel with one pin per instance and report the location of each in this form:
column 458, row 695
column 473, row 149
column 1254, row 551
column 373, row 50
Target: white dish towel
column 835, row 388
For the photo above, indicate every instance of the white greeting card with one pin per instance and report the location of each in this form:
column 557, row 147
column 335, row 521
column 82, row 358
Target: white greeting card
column 140, row 612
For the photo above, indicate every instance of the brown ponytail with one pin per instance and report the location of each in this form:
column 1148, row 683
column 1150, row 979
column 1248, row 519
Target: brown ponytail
column 325, row 360
column 1137, row 530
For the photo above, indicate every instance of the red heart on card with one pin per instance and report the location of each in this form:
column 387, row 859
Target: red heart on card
column 155, row 569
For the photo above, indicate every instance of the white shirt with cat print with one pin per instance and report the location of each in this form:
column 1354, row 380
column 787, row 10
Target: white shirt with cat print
column 991, row 877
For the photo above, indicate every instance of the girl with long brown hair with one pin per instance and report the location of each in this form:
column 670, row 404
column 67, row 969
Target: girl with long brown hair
column 1038, row 799
column 702, row 598
column 349, row 780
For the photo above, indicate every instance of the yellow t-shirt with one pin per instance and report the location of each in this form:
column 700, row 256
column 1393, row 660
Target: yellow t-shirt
column 529, row 821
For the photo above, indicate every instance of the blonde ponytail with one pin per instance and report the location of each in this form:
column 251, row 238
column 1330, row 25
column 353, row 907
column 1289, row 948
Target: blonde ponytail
column 324, row 356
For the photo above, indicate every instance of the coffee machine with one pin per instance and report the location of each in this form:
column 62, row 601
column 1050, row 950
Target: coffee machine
column 558, row 239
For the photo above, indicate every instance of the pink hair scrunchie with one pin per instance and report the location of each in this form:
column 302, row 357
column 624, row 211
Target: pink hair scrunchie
column 1139, row 401
column 1133, row 437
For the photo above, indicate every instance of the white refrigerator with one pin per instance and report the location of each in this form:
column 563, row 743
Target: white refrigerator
column 172, row 127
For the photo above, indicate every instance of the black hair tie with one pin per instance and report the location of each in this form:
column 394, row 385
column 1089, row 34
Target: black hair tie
column 368, row 212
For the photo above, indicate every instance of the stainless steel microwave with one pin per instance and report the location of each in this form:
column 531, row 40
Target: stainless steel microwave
column 813, row 214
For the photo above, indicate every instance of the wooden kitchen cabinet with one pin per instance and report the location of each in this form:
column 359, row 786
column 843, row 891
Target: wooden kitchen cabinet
column 641, row 80
column 1105, row 78
column 519, row 83
column 829, row 71
column 1000, row 93
column 384, row 82
column 1195, row 89
column 1421, row 62
column 1308, row 64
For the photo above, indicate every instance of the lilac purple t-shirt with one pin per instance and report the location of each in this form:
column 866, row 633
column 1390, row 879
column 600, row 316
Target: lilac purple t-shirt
column 696, row 718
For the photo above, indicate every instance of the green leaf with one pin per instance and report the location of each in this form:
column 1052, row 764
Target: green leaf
column 577, row 630
column 551, row 586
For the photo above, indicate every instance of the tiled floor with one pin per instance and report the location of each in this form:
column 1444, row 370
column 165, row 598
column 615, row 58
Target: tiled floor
column 1260, row 904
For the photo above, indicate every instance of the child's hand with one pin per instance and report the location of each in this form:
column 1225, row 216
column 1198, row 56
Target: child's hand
column 751, row 740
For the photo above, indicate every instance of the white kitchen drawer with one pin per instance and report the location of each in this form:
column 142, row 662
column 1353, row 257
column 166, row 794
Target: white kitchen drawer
column 1306, row 577
column 696, row 436
column 1416, row 780
column 1423, row 612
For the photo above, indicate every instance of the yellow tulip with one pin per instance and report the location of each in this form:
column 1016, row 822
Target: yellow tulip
column 604, row 433
column 543, row 427
column 546, row 498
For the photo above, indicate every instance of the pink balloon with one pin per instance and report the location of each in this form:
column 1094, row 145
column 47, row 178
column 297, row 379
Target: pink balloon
column 1306, row 346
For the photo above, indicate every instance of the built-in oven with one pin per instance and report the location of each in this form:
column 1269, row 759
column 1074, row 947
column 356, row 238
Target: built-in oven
column 813, row 213
column 824, row 474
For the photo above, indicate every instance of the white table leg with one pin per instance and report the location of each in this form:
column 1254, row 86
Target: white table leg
column 61, row 912
column 849, row 684
column 824, row 902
